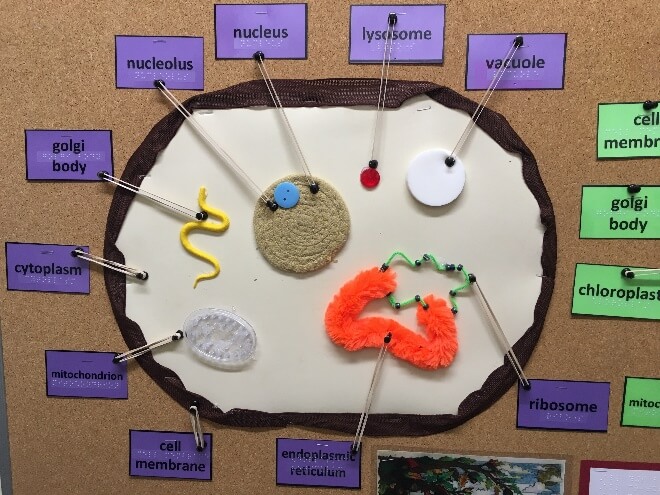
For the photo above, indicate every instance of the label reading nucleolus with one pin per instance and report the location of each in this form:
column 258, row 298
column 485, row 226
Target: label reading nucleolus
column 176, row 60
column 613, row 212
column 537, row 64
column 627, row 130
column 417, row 37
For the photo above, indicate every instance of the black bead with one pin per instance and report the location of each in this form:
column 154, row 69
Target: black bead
column 451, row 267
column 259, row 56
column 101, row 175
column 426, row 257
column 387, row 338
column 418, row 263
column 459, row 267
column 373, row 163
column 518, row 41
column 272, row 205
column 397, row 305
column 650, row 105
column 142, row 276
column 384, row 267
column 159, row 83
column 417, row 298
column 115, row 359
column 202, row 215
column 634, row 188
column 527, row 385
column 392, row 18
column 314, row 187
column 452, row 293
column 450, row 161
column 472, row 278
column 425, row 306
column 454, row 310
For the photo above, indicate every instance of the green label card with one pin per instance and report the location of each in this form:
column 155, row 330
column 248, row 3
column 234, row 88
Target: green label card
column 601, row 290
column 626, row 130
column 612, row 212
column 641, row 402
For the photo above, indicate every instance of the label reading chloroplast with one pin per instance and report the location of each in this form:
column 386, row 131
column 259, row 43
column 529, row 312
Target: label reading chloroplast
column 602, row 290
column 615, row 212
column 627, row 130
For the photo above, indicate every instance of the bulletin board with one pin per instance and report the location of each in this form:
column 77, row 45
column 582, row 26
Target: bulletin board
column 60, row 74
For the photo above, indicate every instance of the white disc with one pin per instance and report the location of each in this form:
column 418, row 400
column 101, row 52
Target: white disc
column 431, row 181
column 220, row 338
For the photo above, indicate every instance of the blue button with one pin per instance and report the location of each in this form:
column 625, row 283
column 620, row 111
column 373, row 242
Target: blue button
column 286, row 194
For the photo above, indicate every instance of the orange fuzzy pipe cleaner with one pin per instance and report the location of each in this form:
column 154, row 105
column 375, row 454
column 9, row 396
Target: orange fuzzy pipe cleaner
column 346, row 328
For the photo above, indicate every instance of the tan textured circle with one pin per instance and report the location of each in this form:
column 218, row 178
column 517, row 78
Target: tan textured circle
column 309, row 235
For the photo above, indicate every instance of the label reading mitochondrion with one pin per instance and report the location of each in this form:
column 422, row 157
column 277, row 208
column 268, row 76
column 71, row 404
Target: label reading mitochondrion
column 615, row 212
column 626, row 130
column 169, row 454
column 538, row 64
column 417, row 37
column 67, row 155
column 277, row 30
column 46, row 268
column 564, row 405
column 641, row 402
column 177, row 60
column 602, row 290
column 85, row 375
column 317, row 463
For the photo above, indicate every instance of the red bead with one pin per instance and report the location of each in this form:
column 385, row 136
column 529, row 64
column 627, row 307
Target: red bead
column 369, row 177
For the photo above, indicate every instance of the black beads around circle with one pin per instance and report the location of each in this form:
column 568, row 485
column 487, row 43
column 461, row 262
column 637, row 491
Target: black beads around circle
column 272, row 205
column 314, row 188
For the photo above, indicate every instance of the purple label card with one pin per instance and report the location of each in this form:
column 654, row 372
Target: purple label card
column 177, row 60
column 564, row 405
column 538, row 64
column 418, row 35
column 67, row 155
column 46, row 268
column 170, row 454
column 326, row 463
column 85, row 375
column 277, row 30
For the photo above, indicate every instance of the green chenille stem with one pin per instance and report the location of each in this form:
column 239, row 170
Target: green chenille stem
column 441, row 267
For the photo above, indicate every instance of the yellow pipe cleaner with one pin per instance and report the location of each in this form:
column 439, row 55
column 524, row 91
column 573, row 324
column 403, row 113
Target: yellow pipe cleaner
column 209, row 226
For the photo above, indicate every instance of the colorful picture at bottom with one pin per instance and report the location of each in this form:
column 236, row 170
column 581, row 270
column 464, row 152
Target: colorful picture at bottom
column 421, row 473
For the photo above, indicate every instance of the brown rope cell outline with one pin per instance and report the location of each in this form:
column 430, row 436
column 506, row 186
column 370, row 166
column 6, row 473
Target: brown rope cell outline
column 331, row 92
